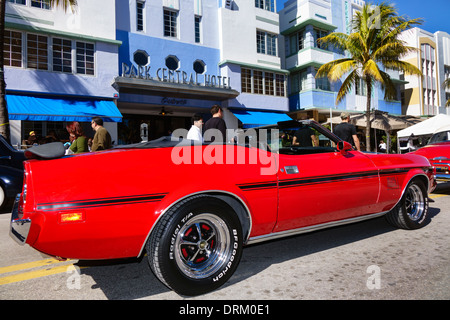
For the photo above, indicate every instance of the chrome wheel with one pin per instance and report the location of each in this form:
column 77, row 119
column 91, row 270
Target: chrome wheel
column 414, row 202
column 411, row 212
column 202, row 246
column 196, row 246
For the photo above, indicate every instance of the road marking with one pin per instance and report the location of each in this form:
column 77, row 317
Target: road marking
column 28, row 265
column 434, row 196
column 54, row 269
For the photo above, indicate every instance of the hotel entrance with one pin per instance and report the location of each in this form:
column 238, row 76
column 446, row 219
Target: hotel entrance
column 135, row 128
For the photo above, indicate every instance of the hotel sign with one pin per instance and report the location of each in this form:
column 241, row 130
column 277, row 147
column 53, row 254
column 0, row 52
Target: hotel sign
column 177, row 76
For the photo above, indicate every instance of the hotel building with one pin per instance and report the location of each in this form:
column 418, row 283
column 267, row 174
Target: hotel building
column 180, row 57
column 147, row 66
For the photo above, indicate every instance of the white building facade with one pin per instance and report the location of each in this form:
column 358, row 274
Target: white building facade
column 425, row 96
column 59, row 67
column 302, row 22
column 250, row 57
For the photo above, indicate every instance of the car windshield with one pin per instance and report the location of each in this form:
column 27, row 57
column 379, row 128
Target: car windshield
column 292, row 137
column 440, row 137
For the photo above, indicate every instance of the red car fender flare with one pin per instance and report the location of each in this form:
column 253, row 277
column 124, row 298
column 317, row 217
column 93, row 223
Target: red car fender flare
column 411, row 175
column 236, row 202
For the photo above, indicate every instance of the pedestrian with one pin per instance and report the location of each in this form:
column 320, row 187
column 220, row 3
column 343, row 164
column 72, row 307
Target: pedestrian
column 102, row 138
column 216, row 122
column 305, row 137
column 347, row 131
column 195, row 132
column 77, row 138
column 382, row 146
column 31, row 141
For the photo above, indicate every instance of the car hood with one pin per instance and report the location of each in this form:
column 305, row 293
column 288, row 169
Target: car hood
column 431, row 151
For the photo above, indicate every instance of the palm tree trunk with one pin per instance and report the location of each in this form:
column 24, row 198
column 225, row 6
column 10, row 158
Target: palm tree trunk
column 368, row 127
column 4, row 119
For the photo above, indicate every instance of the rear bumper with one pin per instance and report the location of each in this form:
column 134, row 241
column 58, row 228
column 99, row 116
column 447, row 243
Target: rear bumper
column 19, row 228
column 442, row 170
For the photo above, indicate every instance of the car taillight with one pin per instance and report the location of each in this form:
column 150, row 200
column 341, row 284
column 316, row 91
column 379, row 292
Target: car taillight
column 23, row 197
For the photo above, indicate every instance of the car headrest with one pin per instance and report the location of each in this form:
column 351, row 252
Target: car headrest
column 51, row 150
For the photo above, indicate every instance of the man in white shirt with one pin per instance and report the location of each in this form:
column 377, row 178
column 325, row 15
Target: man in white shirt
column 195, row 132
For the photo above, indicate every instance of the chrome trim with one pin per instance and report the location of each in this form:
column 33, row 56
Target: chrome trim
column 19, row 228
column 288, row 233
column 291, row 169
column 443, row 177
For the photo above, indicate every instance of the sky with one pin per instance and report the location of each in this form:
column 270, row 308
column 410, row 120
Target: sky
column 435, row 13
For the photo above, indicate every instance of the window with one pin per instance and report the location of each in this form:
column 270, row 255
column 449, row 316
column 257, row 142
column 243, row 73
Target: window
column 18, row 1
column 318, row 33
column 37, row 52
column 197, row 21
column 360, row 87
column 299, row 81
column 266, row 43
column 295, row 42
column 262, row 82
column 257, row 82
column 141, row 57
column 300, row 139
column 172, row 63
column 199, row 66
column 170, row 23
column 246, row 80
column 40, row 4
column 62, row 55
column 260, row 42
column 12, row 49
column 265, row 4
column 268, row 81
column 323, row 83
column 279, row 85
column 85, row 58
column 48, row 53
column 272, row 44
column 140, row 15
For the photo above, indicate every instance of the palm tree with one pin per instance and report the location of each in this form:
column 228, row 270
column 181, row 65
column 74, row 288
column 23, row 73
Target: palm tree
column 446, row 85
column 4, row 119
column 373, row 43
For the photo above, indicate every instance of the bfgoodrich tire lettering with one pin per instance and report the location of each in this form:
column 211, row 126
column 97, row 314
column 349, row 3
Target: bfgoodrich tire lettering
column 412, row 210
column 196, row 246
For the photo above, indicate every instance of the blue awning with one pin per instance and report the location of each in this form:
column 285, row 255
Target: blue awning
column 51, row 109
column 251, row 119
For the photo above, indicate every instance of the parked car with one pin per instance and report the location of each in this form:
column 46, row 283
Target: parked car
column 193, row 207
column 437, row 151
column 11, row 172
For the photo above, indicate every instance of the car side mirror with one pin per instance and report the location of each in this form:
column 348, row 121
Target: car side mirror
column 343, row 147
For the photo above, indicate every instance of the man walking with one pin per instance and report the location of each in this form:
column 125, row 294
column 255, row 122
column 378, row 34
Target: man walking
column 102, row 138
column 347, row 131
column 195, row 132
column 216, row 122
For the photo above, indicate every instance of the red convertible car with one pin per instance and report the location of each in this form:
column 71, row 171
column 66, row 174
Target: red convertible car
column 437, row 151
column 192, row 207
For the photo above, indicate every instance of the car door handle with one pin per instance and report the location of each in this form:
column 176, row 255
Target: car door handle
column 291, row 169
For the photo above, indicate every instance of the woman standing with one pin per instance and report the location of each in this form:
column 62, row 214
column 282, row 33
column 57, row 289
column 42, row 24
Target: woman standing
column 79, row 143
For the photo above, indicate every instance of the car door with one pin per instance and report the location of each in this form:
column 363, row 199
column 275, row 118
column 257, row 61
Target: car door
column 319, row 184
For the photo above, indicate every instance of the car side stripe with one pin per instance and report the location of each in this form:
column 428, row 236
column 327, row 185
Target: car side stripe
column 76, row 204
column 323, row 179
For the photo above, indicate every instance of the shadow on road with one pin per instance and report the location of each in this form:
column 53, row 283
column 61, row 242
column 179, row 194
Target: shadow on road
column 442, row 188
column 133, row 279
